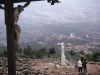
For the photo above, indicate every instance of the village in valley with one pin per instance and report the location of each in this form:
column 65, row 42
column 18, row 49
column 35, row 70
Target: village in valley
column 62, row 46
column 46, row 60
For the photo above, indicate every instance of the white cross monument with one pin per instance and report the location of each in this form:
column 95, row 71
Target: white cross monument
column 64, row 62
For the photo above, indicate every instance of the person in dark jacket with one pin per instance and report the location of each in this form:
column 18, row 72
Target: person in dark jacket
column 84, row 65
column 83, row 60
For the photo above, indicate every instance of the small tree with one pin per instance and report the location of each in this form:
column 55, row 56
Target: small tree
column 52, row 51
column 43, row 52
column 81, row 52
column 72, row 53
column 95, row 56
column 38, row 54
column 89, row 57
column 28, row 51
column 20, row 50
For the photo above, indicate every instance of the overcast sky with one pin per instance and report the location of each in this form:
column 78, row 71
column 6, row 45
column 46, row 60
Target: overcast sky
column 68, row 11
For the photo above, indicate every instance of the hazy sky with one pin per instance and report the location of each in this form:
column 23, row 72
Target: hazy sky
column 68, row 11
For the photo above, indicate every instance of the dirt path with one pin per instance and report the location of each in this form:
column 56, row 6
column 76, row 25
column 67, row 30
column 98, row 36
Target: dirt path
column 93, row 69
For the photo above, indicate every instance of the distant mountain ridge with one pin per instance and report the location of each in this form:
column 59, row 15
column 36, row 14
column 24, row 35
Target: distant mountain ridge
column 42, row 19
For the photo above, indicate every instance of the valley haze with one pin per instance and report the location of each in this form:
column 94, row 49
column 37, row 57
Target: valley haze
column 40, row 19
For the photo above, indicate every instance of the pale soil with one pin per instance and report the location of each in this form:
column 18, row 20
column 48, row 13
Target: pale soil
column 92, row 69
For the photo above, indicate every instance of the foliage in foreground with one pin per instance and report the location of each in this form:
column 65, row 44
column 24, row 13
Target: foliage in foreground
column 29, row 52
